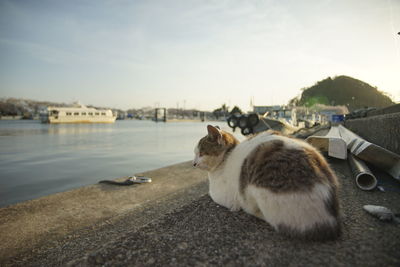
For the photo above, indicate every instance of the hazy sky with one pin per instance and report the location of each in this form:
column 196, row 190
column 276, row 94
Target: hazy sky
column 199, row 54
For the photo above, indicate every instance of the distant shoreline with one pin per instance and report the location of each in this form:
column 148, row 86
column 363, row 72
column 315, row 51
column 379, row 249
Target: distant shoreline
column 17, row 118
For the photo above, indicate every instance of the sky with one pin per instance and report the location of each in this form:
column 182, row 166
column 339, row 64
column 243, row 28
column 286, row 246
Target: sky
column 193, row 54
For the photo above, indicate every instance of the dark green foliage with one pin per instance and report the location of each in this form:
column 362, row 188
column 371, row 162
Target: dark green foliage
column 221, row 112
column 344, row 90
column 23, row 107
column 236, row 110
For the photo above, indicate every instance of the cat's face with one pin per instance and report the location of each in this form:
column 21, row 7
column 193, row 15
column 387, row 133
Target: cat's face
column 210, row 150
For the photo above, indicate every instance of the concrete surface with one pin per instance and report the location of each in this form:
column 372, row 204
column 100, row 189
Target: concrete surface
column 204, row 233
column 187, row 228
column 32, row 226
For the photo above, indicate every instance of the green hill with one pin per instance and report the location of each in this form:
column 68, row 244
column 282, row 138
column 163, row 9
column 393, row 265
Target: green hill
column 344, row 90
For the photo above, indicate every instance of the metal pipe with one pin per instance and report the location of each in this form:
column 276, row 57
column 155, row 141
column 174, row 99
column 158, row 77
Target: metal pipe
column 369, row 152
column 364, row 178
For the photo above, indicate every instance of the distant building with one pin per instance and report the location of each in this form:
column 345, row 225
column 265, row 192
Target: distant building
column 317, row 114
column 276, row 112
column 263, row 109
column 329, row 111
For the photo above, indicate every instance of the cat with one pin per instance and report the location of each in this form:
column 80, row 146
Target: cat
column 282, row 180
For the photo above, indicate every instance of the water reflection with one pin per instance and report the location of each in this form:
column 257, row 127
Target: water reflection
column 61, row 129
column 20, row 128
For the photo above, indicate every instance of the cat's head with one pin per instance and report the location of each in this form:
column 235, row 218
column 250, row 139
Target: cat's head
column 212, row 148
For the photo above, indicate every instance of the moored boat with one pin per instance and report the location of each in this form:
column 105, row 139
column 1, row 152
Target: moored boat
column 78, row 114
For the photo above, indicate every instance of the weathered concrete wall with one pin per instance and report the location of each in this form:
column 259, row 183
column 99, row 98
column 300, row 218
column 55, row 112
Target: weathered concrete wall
column 383, row 130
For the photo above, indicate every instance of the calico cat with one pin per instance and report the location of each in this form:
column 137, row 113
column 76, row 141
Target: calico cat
column 282, row 180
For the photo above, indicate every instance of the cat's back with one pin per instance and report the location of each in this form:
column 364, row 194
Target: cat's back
column 269, row 137
column 282, row 163
column 247, row 146
column 258, row 149
column 290, row 183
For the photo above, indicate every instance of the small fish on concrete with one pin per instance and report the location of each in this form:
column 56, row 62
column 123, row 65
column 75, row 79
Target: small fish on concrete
column 382, row 213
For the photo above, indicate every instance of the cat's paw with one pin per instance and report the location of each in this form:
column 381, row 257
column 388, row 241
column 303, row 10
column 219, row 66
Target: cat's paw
column 234, row 208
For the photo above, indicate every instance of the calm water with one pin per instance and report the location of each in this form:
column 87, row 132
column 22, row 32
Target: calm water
column 40, row 159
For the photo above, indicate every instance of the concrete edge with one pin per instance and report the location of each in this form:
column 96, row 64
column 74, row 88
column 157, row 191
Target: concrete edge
column 26, row 225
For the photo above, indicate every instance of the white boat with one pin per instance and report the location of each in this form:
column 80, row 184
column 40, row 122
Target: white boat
column 78, row 114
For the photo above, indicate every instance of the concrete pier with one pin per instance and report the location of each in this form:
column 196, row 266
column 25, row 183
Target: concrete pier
column 29, row 227
column 174, row 222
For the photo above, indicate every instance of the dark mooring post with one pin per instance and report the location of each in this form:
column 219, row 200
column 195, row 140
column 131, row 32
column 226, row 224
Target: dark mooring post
column 202, row 116
column 164, row 116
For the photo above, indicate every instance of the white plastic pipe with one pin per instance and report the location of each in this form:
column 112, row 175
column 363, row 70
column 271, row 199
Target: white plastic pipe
column 364, row 178
column 331, row 143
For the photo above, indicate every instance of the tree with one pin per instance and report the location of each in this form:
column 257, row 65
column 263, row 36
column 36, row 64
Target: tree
column 236, row 110
column 344, row 90
column 221, row 112
column 294, row 101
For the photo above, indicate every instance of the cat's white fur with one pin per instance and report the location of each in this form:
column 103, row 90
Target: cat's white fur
column 299, row 211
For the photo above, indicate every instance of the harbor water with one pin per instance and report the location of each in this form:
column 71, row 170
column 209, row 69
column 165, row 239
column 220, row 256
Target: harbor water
column 41, row 159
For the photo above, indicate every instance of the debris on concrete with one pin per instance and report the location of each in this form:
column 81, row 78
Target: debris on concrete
column 331, row 143
column 385, row 187
column 360, row 113
column 381, row 188
column 245, row 122
column 371, row 111
column 369, row 152
column 382, row 213
column 254, row 123
column 303, row 133
column 339, row 139
column 129, row 181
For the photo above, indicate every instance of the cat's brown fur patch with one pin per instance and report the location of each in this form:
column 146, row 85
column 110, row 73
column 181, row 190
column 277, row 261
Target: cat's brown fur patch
column 322, row 168
column 229, row 139
column 280, row 169
column 320, row 163
column 209, row 146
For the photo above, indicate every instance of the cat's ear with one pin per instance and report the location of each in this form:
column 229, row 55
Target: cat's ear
column 214, row 133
